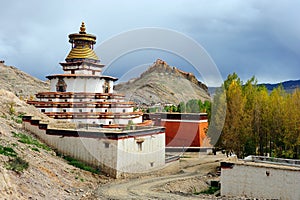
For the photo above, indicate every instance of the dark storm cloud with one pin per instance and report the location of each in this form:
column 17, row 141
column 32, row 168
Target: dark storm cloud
column 258, row 38
column 250, row 37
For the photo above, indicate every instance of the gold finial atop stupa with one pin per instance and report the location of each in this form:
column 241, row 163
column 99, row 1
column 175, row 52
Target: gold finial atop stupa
column 82, row 46
column 82, row 28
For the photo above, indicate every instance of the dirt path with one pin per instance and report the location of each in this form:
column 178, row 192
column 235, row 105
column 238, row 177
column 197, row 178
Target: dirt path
column 155, row 185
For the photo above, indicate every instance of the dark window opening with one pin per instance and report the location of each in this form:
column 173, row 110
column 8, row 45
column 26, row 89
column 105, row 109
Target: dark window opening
column 106, row 145
column 72, row 71
column 43, row 110
column 64, row 110
column 80, row 110
column 140, row 146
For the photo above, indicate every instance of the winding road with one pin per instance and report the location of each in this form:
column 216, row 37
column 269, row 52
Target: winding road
column 149, row 187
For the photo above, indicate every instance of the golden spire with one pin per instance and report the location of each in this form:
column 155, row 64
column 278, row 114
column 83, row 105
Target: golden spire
column 82, row 28
column 82, row 46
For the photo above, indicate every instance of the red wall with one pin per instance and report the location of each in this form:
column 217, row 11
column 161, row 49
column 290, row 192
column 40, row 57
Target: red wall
column 184, row 134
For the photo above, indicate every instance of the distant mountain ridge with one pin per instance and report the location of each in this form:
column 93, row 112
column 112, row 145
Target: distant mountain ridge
column 289, row 86
column 163, row 84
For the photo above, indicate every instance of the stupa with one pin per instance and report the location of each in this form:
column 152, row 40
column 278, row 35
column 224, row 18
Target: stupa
column 114, row 138
column 82, row 94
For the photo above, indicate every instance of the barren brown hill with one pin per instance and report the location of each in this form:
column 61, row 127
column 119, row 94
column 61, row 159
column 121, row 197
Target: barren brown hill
column 47, row 176
column 163, row 84
column 15, row 80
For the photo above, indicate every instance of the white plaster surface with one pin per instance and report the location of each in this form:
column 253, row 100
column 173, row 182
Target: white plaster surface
column 251, row 180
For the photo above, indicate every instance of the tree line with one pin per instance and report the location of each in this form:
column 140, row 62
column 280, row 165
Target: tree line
column 257, row 122
column 191, row 106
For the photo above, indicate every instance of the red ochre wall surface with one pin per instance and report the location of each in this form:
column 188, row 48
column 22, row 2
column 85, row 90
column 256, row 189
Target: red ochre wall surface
column 184, row 134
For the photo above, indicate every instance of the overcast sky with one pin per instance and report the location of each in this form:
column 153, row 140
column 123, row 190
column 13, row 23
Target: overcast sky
column 260, row 38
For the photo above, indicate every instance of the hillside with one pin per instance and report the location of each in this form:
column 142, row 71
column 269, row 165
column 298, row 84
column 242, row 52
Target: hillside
column 14, row 80
column 163, row 84
column 47, row 176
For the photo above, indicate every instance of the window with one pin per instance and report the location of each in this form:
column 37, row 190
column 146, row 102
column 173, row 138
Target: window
column 93, row 72
column 43, row 110
column 109, row 122
column 106, row 144
column 139, row 142
column 140, row 146
column 66, row 100
column 61, row 86
column 80, row 110
column 124, row 110
column 105, row 110
column 92, row 110
column 64, row 110
column 72, row 71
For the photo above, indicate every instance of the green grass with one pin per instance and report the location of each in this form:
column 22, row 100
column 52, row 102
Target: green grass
column 210, row 190
column 19, row 118
column 4, row 116
column 35, row 149
column 80, row 165
column 30, row 140
column 17, row 164
column 7, row 151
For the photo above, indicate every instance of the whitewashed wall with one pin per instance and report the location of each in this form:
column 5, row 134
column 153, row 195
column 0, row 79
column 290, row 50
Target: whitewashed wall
column 151, row 156
column 253, row 181
column 114, row 157
column 80, row 84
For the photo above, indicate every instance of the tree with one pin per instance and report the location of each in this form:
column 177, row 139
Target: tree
column 217, row 118
column 192, row 106
column 292, row 126
column 181, row 107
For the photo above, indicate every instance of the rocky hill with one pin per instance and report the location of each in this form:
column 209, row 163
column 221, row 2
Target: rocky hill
column 14, row 80
column 163, row 84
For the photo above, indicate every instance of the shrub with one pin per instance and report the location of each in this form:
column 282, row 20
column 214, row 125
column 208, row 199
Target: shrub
column 7, row 151
column 80, row 165
column 17, row 164
column 11, row 107
column 210, row 190
column 29, row 140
